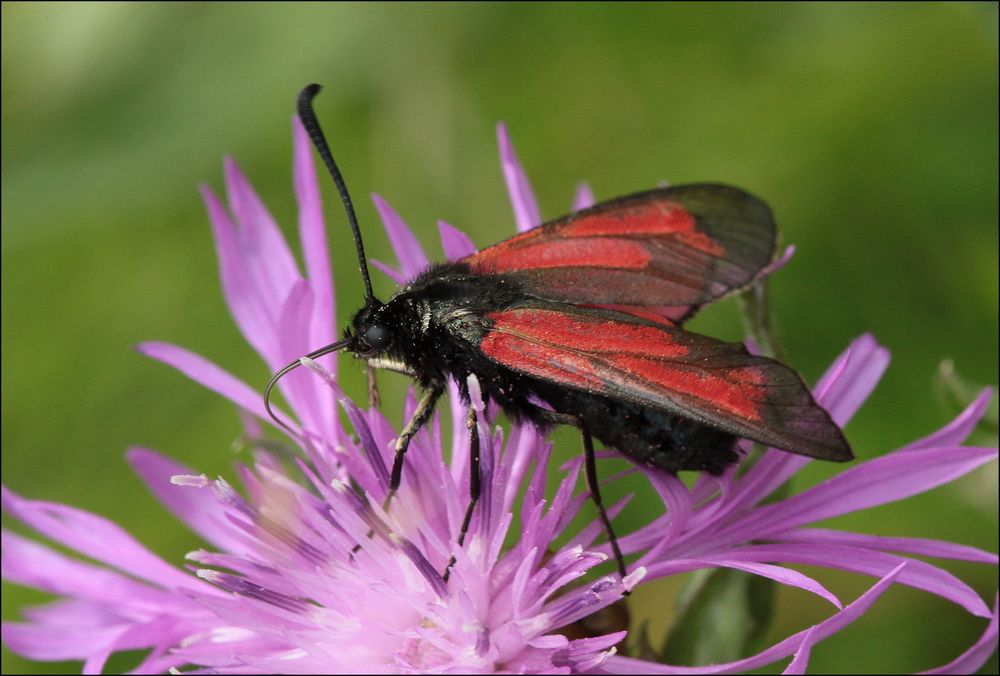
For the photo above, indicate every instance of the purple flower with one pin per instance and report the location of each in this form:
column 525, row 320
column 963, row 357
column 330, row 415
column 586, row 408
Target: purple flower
column 306, row 573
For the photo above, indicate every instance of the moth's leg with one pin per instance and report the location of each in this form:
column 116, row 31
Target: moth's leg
column 474, row 483
column 590, row 463
column 419, row 419
column 373, row 398
column 595, row 495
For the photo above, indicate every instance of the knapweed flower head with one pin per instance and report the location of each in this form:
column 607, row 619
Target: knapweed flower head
column 305, row 572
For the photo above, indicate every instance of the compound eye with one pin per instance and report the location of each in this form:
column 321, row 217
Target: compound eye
column 377, row 336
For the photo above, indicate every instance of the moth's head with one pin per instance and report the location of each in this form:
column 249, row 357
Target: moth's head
column 371, row 332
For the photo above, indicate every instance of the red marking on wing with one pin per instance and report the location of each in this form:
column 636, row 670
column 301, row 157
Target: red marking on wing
column 583, row 333
column 733, row 391
column 527, row 356
column 652, row 219
column 615, row 253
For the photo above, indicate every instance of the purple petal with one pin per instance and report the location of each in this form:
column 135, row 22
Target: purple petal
column 265, row 252
column 73, row 611
column 254, row 317
column 584, row 197
column 371, row 451
column 526, row 214
column 160, row 634
column 197, row 509
column 586, row 655
column 237, row 585
column 825, row 629
column 425, row 567
column 917, row 574
column 581, row 602
column 841, row 391
column 412, row 260
column 94, row 664
column 389, row 271
column 455, row 243
column 876, row 482
column 958, row 429
column 96, row 537
column 98, row 589
column 677, row 499
column 801, row 660
column 778, row 263
column 54, row 643
column 920, row 546
column 785, row 576
column 300, row 389
column 211, row 376
column 972, row 659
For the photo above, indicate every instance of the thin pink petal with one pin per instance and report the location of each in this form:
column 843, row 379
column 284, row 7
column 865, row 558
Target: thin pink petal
column 778, row 263
column 785, row 576
column 301, row 390
column 376, row 462
column 411, row 257
column 389, row 271
column 98, row 538
column 918, row 574
column 265, row 251
column 98, row 589
column 877, row 482
column 958, row 429
column 921, row 546
column 253, row 316
column 801, row 659
column 584, row 197
column 975, row 657
column 211, row 376
column 197, row 508
column 843, row 395
column 455, row 243
column 72, row 612
column 818, row 632
column 526, row 213
column 50, row 644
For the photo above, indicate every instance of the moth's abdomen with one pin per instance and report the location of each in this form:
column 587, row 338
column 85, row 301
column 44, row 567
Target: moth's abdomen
column 647, row 435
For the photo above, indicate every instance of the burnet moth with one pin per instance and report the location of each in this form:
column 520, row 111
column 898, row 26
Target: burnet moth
column 579, row 322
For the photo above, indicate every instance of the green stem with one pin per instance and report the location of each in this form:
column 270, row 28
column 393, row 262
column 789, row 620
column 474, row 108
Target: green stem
column 756, row 312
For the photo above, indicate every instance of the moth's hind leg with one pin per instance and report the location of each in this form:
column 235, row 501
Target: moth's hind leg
column 475, row 486
column 590, row 463
column 373, row 398
column 419, row 418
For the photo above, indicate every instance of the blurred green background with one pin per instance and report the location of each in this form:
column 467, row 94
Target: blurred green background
column 871, row 130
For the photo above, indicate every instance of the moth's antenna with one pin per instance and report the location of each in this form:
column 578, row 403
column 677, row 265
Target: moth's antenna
column 332, row 347
column 308, row 118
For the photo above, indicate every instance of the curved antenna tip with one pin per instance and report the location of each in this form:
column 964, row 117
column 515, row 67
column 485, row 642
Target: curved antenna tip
column 309, row 92
column 332, row 347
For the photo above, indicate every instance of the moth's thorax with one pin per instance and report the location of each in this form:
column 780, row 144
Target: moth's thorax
column 435, row 323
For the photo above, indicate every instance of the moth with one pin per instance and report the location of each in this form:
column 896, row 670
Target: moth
column 580, row 322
